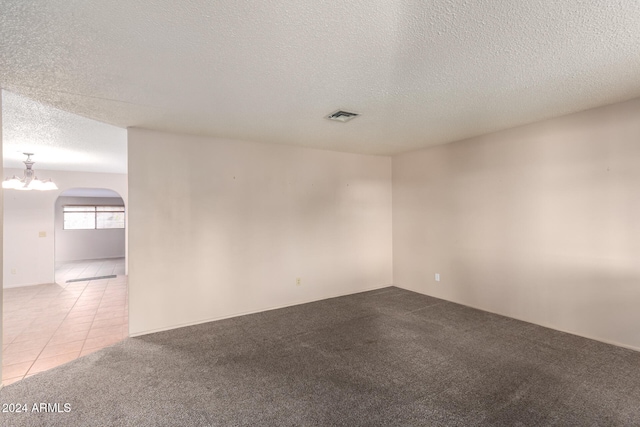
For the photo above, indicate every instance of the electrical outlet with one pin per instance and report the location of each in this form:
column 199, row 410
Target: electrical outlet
column 437, row 277
column 13, row 271
column 42, row 234
column 298, row 281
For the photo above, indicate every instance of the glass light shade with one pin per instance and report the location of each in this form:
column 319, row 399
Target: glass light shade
column 49, row 185
column 13, row 183
column 35, row 184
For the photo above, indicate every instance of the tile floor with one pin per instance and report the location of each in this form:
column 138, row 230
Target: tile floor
column 47, row 325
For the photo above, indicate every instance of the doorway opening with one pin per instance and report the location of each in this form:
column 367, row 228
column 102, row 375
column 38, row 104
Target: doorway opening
column 90, row 235
column 86, row 309
column 41, row 315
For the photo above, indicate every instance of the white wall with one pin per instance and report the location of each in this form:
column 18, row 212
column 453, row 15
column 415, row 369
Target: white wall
column 28, row 258
column 1, row 238
column 219, row 228
column 73, row 245
column 540, row 223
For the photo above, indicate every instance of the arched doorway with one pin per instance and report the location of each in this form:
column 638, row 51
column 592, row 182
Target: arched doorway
column 86, row 309
column 39, row 325
column 90, row 235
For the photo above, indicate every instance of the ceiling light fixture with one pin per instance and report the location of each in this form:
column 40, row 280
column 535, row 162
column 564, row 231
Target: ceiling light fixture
column 29, row 181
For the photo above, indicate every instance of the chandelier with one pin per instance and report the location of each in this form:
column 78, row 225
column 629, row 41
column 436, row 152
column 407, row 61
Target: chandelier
column 29, row 181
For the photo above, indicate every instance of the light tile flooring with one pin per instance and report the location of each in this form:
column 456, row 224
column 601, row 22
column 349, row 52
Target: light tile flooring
column 47, row 325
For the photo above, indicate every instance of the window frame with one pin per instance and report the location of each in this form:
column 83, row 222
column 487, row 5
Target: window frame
column 95, row 212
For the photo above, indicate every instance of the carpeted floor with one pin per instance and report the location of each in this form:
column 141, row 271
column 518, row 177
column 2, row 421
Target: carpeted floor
column 382, row 358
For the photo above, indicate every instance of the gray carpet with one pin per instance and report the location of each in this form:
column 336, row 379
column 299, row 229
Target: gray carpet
column 383, row 358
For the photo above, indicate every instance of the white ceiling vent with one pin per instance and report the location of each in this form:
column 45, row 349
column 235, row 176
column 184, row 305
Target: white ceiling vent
column 342, row 116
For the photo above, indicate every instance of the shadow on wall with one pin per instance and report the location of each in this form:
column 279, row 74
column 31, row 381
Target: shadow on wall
column 586, row 296
column 540, row 227
column 539, row 223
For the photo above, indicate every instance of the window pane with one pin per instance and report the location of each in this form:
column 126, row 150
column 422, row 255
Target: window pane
column 79, row 220
column 79, row 208
column 110, row 208
column 110, row 219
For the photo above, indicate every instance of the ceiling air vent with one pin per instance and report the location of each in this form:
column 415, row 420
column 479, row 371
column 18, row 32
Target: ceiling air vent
column 342, row 116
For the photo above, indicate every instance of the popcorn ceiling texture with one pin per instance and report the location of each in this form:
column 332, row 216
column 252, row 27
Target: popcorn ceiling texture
column 420, row 73
column 58, row 139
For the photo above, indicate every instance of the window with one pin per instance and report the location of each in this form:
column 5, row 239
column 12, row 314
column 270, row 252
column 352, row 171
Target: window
column 92, row 217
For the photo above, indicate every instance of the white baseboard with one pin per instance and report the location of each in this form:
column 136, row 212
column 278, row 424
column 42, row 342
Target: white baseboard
column 213, row 319
column 617, row 344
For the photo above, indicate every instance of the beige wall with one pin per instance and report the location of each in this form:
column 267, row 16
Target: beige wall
column 1, row 239
column 540, row 223
column 220, row 228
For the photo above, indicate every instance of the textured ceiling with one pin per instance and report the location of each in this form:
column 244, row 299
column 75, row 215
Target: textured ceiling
column 419, row 72
column 59, row 140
